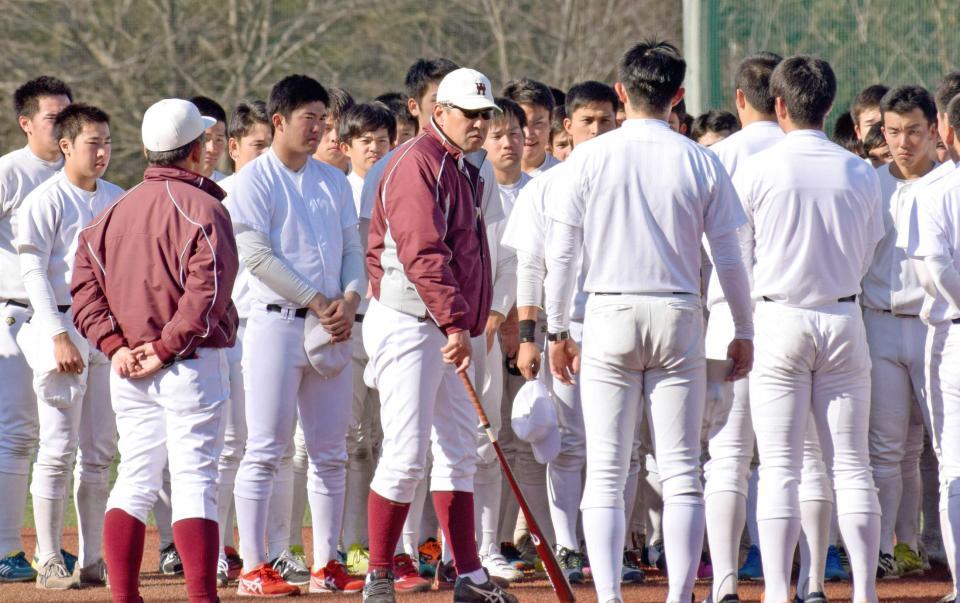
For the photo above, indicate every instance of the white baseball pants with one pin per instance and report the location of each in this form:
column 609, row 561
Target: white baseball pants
column 423, row 404
column 234, row 440
column 813, row 360
column 175, row 415
column 89, row 426
column 278, row 381
column 19, row 427
column 897, row 349
column 643, row 352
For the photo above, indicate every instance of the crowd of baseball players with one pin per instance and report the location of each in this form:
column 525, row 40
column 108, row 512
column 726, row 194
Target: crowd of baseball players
column 606, row 269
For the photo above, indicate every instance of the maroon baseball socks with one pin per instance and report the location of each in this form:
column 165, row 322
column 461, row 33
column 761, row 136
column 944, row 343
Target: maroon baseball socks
column 123, row 537
column 385, row 520
column 198, row 542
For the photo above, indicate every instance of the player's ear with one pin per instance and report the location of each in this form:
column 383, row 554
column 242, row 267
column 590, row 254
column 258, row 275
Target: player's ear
column 678, row 96
column 64, row 146
column 278, row 122
column 741, row 100
column 233, row 148
column 413, row 107
column 345, row 148
column 24, row 122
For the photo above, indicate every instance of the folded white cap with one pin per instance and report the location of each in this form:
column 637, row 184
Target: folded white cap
column 534, row 420
column 329, row 359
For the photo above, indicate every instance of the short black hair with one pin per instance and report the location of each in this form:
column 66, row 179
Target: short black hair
column 559, row 97
column 210, row 108
column 70, row 121
column 397, row 103
column 868, row 98
column 340, row 101
column 844, row 134
column 173, row 156
column 753, row 77
column 526, row 91
column 509, row 108
column 807, row 86
column 366, row 117
column 26, row 98
column 425, row 72
column 715, row 121
column 652, row 72
column 556, row 121
column 874, row 139
column 948, row 88
column 904, row 99
column 953, row 113
column 246, row 115
column 590, row 91
column 293, row 92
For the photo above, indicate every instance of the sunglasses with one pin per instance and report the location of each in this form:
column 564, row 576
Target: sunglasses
column 484, row 114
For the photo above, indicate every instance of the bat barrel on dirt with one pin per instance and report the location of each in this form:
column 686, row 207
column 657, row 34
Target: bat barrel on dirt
column 554, row 572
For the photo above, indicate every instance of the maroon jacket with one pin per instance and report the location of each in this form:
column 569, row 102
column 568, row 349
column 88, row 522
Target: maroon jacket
column 158, row 265
column 428, row 243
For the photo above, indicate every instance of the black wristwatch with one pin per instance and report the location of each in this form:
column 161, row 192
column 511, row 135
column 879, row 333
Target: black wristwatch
column 558, row 336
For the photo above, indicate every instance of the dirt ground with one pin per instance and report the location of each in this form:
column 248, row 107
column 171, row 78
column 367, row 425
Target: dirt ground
column 156, row 587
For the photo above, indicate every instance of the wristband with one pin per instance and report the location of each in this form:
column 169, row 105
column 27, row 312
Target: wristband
column 528, row 330
column 558, row 336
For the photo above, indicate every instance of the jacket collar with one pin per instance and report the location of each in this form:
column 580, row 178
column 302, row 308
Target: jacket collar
column 437, row 134
column 155, row 172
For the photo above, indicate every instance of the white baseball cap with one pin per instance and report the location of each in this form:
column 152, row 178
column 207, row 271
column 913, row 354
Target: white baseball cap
column 467, row 89
column 534, row 420
column 171, row 123
column 327, row 358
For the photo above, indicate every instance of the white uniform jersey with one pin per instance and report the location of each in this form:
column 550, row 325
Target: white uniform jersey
column 242, row 294
column 50, row 221
column 491, row 205
column 891, row 283
column 303, row 213
column 20, row 172
column 549, row 161
column 356, row 187
column 908, row 238
column 504, row 289
column 644, row 196
column 815, row 218
column 731, row 151
column 938, row 219
column 217, row 176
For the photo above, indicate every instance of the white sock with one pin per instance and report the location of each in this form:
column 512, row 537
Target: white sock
column 949, row 545
column 726, row 515
column 48, row 518
column 413, row 524
column 604, row 529
column 509, row 512
column 225, row 482
column 355, row 508
column 861, row 535
column 778, row 541
column 298, row 505
column 163, row 512
column 90, row 499
column 630, row 494
column 13, row 504
column 565, row 489
column 486, row 504
column 753, row 531
column 815, row 519
column 325, row 512
column 683, row 526
column 908, row 516
column 889, row 491
column 252, row 525
column 228, row 536
column 281, row 503
column 477, row 576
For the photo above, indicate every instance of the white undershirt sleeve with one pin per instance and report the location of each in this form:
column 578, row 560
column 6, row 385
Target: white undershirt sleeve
column 33, row 268
column 258, row 256
column 728, row 262
column 563, row 252
column 531, row 273
column 353, row 272
column 945, row 277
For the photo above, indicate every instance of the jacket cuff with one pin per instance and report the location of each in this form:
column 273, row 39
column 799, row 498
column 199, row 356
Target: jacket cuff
column 163, row 352
column 111, row 343
column 455, row 327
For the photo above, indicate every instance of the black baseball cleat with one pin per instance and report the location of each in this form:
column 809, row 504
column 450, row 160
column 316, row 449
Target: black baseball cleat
column 815, row 597
column 466, row 591
column 170, row 564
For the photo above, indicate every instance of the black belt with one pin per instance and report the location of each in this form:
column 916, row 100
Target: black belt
column 358, row 318
column 621, row 293
column 299, row 312
column 16, row 304
column 956, row 321
column 843, row 300
column 898, row 315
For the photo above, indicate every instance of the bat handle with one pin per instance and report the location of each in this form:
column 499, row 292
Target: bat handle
column 472, row 393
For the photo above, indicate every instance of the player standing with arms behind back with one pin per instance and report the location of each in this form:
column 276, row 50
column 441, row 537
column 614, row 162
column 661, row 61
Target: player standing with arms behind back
column 815, row 219
column 640, row 217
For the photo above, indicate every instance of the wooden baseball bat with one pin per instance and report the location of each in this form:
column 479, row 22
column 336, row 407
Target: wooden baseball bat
column 559, row 581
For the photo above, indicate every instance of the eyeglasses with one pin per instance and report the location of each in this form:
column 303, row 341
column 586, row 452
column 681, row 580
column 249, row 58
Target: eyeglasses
column 484, row 114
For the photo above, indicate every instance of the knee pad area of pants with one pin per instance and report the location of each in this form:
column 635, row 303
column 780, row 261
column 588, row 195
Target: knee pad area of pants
column 194, row 501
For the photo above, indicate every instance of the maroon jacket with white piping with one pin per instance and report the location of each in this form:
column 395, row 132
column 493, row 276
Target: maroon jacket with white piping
column 428, row 252
column 158, row 265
